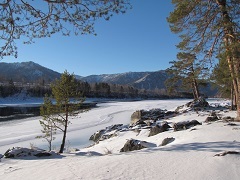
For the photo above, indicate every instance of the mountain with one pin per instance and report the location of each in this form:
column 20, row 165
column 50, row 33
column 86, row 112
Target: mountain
column 26, row 72
column 33, row 72
column 141, row 80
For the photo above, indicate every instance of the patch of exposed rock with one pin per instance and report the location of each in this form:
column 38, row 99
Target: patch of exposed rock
column 183, row 125
column 106, row 133
column 133, row 145
column 212, row 117
column 167, row 141
column 143, row 117
column 17, row 152
column 200, row 102
column 159, row 129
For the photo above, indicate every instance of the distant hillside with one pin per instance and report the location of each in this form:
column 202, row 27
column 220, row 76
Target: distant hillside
column 141, row 80
column 32, row 72
column 26, row 72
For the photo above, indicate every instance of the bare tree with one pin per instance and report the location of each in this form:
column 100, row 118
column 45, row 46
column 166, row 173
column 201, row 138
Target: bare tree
column 29, row 19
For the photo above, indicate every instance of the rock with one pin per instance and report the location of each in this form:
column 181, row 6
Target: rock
column 155, row 130
column 114, row 127
column 179, row 126
column 185, row 125
column 102, row 134
column 152, row 114
column 194, row 123
column 165, row 126
column 8, row 154
column 97, row 135
column 231, row 124
column 136, row 116
column 133, row 144
column 158, row 129
column 149, row 122
column 167, row 141
column 43, row 154
column 141, row 123
column 17, row 152
column 200, row 102
column 170, row 113
column 228, row 118
column 107, row 136
column 213, row 117
column 1, row 156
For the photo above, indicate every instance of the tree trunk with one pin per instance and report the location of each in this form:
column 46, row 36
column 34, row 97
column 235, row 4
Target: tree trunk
column 196, row 89
column 231, row 51
column 65, row 131
column 195, row 84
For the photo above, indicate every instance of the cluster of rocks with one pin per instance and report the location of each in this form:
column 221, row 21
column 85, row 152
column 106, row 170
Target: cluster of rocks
column 185, row 125
column 107, row 133
column 147, row 117
column 18, row 152
column 155, row 121
column 200, row 102
column 212, row 117
column 133, row 144
column 158, row 128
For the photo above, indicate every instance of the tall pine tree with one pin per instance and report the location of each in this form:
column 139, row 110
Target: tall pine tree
column 210, row 28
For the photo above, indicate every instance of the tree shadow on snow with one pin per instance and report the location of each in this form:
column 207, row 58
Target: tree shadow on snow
column 89, row 153
column 200, row 146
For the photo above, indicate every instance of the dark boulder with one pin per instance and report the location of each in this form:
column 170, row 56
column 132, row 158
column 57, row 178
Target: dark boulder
column 18, row 152
column 133, row 144
column 194, row 123
column 228, row 118
column 200, row 102
column 43, row 154
column 97, row 135
column 213, row 117
column 158, row 129
column 185, row 125
column 167, row 141
column 141, row 123
column 102, row 134
column 155, row 130
column 170, row 113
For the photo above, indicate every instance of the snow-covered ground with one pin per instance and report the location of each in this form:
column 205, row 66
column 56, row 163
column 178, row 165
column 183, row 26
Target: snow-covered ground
column 190, row 156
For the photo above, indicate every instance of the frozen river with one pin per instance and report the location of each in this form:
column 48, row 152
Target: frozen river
column 23, row 132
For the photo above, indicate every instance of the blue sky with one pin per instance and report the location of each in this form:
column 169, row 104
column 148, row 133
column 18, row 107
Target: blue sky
column 139, row 40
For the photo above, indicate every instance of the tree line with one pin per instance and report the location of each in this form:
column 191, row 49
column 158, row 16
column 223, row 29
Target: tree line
column 90, row 90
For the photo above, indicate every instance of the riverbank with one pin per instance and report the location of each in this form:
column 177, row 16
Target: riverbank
column 200, row 152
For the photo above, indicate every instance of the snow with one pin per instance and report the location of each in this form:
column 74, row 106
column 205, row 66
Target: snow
column 190, row 156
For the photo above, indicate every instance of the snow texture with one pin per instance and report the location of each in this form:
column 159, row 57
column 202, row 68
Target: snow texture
column 192, row 154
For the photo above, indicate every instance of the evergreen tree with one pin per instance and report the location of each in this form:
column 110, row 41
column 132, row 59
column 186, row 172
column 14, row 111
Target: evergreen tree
column 222, row 79
column 68, row 100
column 11, row 87
column 209, row 28
column 185, row 74
column 48, row 122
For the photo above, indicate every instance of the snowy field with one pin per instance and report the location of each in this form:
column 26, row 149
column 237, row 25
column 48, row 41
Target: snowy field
column 190, row 156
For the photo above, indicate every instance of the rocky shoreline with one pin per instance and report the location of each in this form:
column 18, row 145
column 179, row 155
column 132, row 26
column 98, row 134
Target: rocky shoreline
column 156, row 120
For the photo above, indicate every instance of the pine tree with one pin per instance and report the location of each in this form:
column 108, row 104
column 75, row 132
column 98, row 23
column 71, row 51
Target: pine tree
column 222, row 79
column 209, row 28
column 68, row 101
column 185, row 74
column 48, row 122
